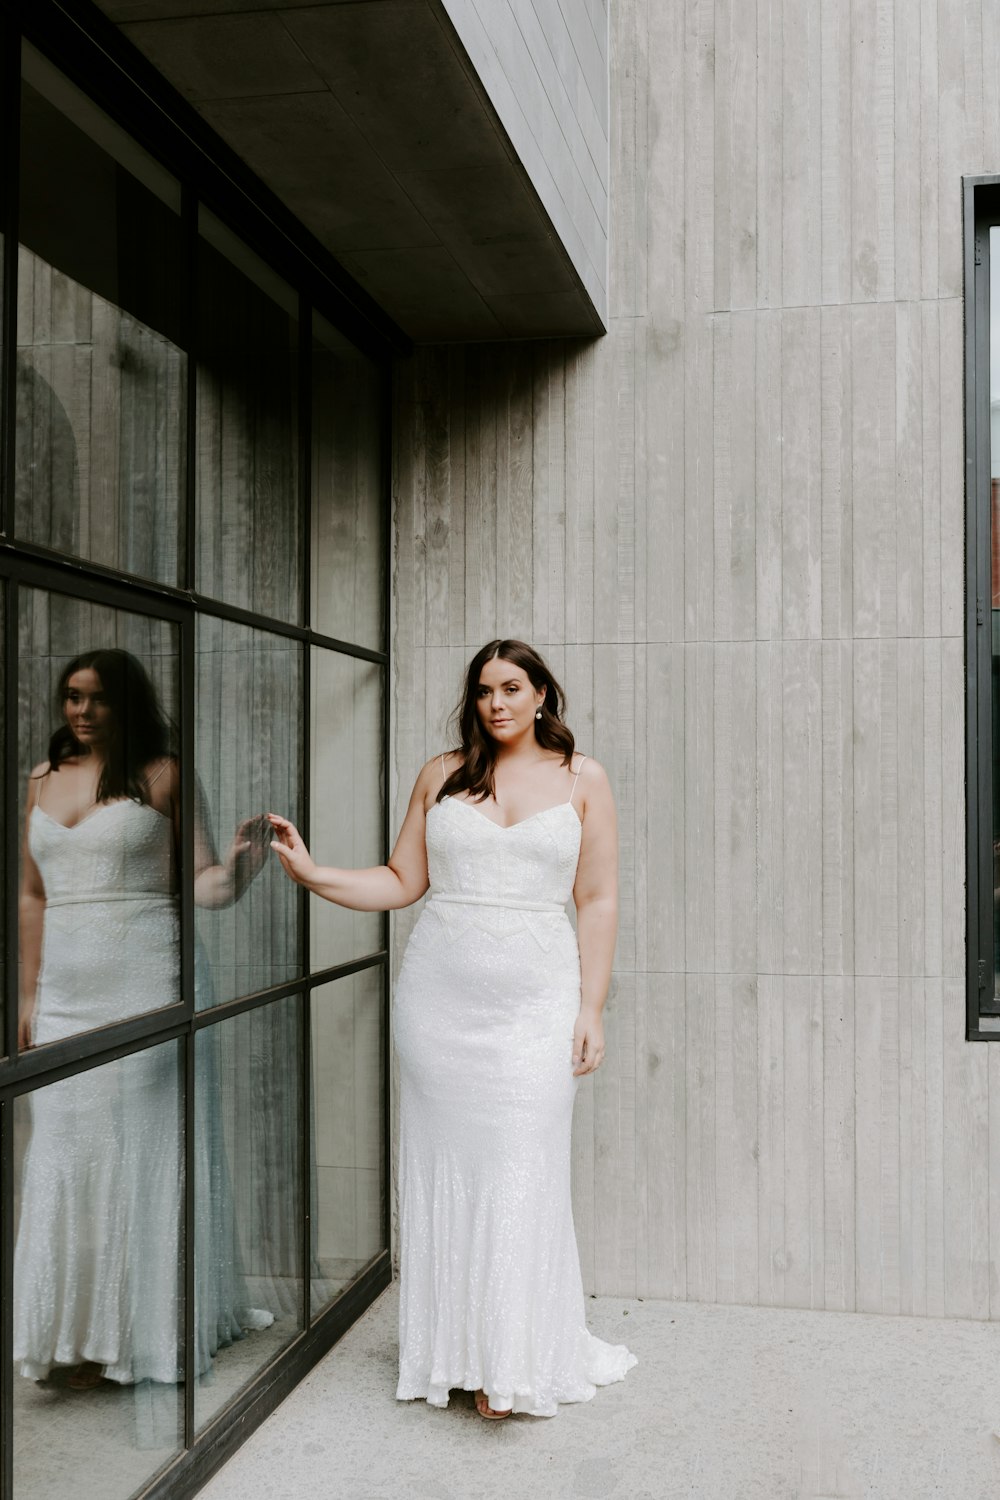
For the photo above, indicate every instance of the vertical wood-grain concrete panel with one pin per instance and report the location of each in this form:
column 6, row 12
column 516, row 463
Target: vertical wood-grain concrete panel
column 544, row 64
column 735, row 525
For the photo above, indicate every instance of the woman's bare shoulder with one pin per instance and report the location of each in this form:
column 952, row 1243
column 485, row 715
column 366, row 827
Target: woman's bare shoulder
column 589, row 770
column 163, row 765
column 161, row 779
column 592, row 790
column 432, row 775
column 36, row 776
column 440, row 766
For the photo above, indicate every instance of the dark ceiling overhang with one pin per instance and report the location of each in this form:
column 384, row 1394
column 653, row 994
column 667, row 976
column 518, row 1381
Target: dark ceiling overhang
column 368, row 121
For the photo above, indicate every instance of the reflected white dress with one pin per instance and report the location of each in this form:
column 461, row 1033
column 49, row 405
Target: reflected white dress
column 97, row 1263
column 491, row 1295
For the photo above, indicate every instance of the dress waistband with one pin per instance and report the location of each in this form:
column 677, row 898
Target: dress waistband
column 508, row 903
column 94, row 898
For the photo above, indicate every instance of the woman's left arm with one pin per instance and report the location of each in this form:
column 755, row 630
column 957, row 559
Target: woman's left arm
column 217, row 882
column 595, row 895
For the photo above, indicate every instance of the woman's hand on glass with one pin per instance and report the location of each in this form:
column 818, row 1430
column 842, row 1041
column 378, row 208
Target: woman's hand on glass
column 247, row 854
column 288, row 845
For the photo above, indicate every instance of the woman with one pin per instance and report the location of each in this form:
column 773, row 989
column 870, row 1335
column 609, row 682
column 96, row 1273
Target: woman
column 98, row 1255
column 497, row 1016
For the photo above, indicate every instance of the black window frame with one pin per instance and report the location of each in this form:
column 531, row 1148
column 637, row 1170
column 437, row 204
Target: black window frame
column 92, row 52
column 981, row 212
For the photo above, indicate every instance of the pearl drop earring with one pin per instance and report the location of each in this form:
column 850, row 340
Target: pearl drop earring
column 538, row 715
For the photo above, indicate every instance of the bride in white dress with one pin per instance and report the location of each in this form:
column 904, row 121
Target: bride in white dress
column 497, row 1016
column 98, row 1253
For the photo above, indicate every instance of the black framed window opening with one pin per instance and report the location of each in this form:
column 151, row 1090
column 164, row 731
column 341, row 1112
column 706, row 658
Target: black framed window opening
column 982, row 390
column 193, row 526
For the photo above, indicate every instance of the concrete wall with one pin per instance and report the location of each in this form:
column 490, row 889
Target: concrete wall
column 544, row 64
column 735, row 525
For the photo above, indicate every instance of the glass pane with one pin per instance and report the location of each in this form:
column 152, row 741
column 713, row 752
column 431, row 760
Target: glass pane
column 348, row 550
column 100, row 374
column 3, row 772
column 248, row 747
column 98, row 701
column 346, row 830
column 995, row 580
column 98, row 1279
column 249, row 505
column 348, row 1180
column 248, row 1173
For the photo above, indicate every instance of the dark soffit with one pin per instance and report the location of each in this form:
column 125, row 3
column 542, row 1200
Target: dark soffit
column 368, row 121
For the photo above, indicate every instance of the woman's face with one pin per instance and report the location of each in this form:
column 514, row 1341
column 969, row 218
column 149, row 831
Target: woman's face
column 86, row 708
column 506, row 701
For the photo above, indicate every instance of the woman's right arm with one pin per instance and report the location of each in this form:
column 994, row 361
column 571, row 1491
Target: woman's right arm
column 31, row 918
column 387, row 887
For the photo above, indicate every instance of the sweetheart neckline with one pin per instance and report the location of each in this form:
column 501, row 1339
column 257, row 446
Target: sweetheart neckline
column 116, row 802
column 509, row 827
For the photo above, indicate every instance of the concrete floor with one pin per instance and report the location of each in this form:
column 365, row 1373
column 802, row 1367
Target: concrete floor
column 726, row 1403
column 108, row 1442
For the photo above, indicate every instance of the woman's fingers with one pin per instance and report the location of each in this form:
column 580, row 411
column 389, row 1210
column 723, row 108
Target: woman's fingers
column 293, row 861
column 287, row 833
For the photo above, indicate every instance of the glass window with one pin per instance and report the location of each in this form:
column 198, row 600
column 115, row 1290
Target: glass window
column 99, row 451
column 348, row 1179
column 3, row 770
column 348, row 790
column 98, row 1279
column 249, row 536
column 99, row 778
column 982, row 614
column 249, row 760
column 160, row 538
column 994, row 615
column 248, row 1219
column 348, row 491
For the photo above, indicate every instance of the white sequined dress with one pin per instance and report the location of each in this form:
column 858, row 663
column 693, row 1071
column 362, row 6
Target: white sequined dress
column 98, row 1257
column 491, row 1295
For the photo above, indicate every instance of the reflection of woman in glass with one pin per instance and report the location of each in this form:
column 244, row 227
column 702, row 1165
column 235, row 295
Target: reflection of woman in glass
column 98, row 1254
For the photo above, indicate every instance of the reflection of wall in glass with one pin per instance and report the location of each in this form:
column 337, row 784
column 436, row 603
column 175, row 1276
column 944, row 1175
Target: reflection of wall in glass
column 249, row 506
column 100, row 375
column 248, row 1113
column 347, row 1179
column 248, row 747
column 348, row 790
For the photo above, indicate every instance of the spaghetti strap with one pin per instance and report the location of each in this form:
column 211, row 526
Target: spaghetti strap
column 444, row 769
column 576, row 778
column 43, row 781
column 154, row 779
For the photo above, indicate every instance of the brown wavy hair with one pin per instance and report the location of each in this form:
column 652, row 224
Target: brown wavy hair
column 140, row 731
column 478, row 749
